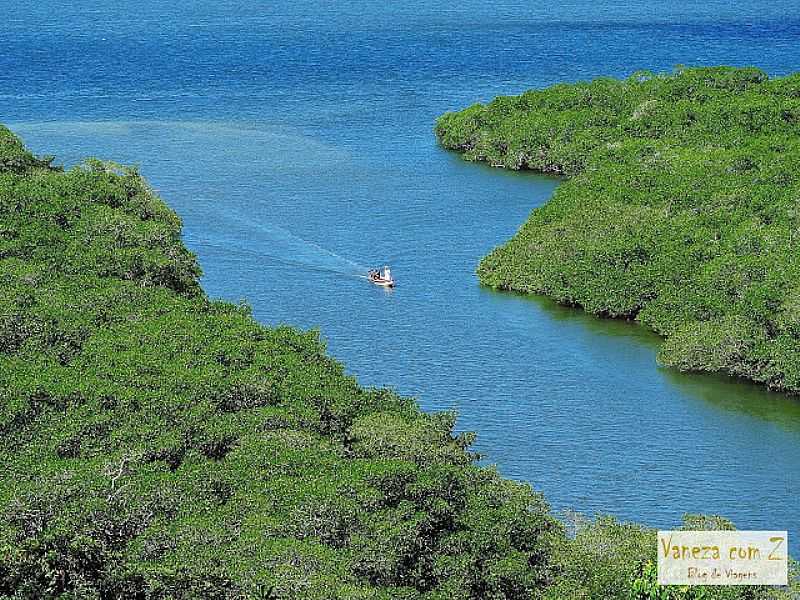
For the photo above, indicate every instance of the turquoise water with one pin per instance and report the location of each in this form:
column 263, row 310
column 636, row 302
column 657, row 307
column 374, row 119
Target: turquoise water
column 296, row 144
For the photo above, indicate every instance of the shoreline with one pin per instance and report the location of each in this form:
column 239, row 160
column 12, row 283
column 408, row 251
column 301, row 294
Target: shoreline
column 612, row 258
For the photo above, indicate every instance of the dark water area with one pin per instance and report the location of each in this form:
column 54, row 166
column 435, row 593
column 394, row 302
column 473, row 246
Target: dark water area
column 296, row 143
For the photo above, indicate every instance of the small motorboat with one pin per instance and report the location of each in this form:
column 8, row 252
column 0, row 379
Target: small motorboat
column 383, row 279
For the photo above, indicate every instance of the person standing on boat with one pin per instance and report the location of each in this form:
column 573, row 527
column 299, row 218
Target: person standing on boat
column 387, row 274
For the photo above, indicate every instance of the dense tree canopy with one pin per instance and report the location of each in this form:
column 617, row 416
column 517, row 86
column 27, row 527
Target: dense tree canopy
column 681, row 209
column 157, row 444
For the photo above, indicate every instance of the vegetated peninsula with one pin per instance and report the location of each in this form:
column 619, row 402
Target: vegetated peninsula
column 681, row 209
column 155, row 443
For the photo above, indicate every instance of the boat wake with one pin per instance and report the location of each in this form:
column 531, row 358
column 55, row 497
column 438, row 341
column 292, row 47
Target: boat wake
column 289, row 249
column 356, row 271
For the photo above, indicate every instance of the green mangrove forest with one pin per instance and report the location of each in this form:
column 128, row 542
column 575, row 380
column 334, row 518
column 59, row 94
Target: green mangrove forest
column 680, row 209
column 155, row 443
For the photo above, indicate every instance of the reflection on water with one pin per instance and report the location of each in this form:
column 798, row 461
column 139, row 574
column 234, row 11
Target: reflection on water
column 561, row 312
column 739, row 396
column 719, row 390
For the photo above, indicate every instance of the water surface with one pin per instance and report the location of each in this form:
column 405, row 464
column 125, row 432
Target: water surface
column 295, row 142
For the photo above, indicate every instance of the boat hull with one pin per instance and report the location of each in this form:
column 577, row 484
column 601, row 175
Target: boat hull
column 383, row 282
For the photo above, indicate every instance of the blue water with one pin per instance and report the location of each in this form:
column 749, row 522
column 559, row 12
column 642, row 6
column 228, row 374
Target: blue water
column 295, row 142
